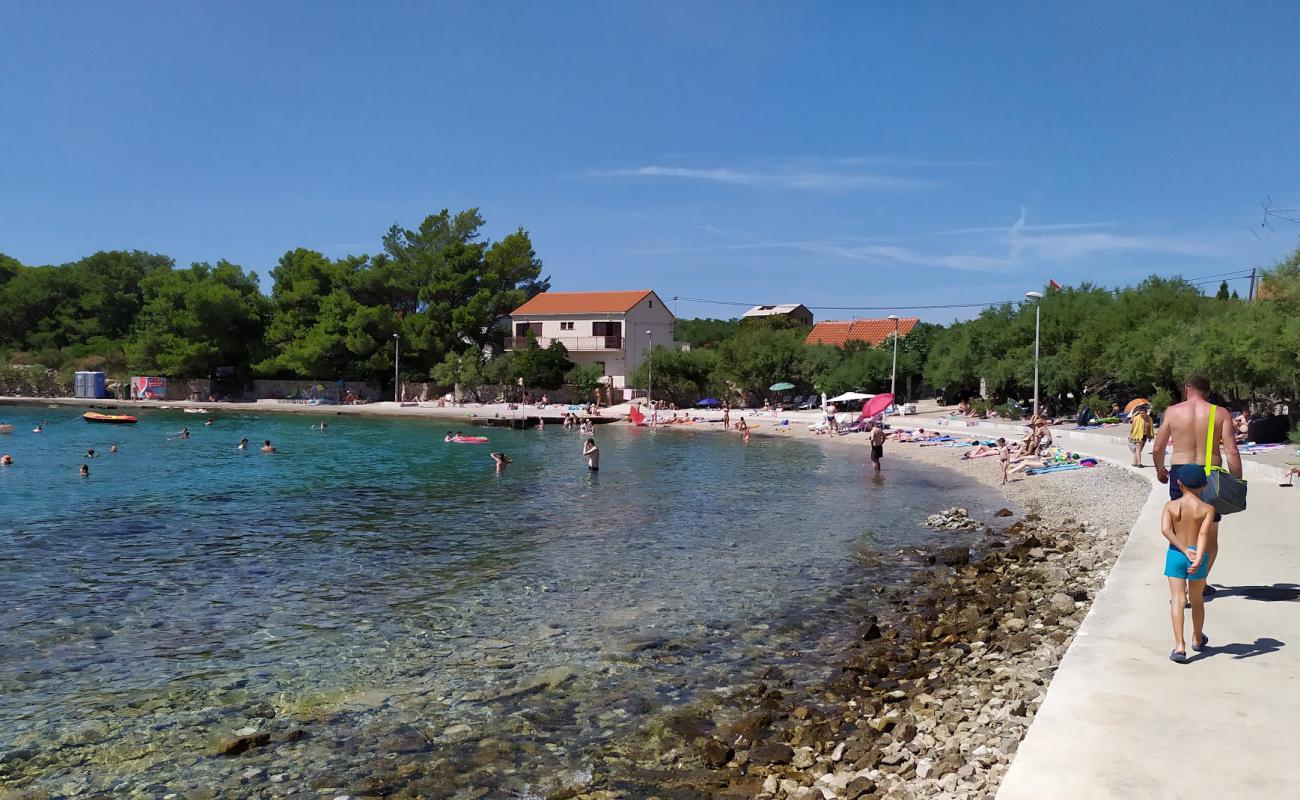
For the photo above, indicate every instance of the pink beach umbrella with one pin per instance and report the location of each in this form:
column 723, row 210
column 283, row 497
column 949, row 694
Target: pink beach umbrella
column 876, row 405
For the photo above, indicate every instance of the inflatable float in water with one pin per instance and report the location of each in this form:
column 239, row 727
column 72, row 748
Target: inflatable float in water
column 112, row 419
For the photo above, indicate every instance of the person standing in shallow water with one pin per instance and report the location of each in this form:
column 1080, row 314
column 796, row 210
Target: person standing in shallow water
column 877, row 445
column 1186, row 425
column 592, row 453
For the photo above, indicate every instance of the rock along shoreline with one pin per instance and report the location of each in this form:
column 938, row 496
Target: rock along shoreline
column 942, row 677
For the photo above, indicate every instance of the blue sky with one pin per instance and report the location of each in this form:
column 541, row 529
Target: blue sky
column 835, row 154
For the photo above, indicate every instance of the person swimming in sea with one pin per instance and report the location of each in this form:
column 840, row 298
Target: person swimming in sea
column 85, row 470
column 90, row 453
column 592, row 452
column 501, row 460
column 184, row 434
column 39, row 428
column 207, row 423
column 267, row 447
column 243, row 444
column 449, row 437
column 6, row 460
column 112, row 448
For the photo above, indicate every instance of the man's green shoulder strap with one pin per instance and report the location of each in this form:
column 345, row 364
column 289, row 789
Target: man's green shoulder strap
column 1209, row 441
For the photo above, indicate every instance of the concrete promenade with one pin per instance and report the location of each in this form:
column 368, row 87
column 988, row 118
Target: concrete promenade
column 1120, row 720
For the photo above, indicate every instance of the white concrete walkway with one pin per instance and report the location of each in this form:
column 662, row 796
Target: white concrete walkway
column 1120, row 720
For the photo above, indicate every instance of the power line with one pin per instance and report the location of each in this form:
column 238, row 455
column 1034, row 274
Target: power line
column 846, row 308
column 1245, row 277
column 1220, row 275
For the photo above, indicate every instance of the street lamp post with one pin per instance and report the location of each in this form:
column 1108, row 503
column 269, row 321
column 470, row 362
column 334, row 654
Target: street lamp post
column 1038, row 308
column 397, row 356
column 893, row 372
column 650, row 387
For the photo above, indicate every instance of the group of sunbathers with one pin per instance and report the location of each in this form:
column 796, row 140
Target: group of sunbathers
column 919, row 435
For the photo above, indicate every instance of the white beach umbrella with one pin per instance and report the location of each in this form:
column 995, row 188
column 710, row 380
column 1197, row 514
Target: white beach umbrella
column 850, row 396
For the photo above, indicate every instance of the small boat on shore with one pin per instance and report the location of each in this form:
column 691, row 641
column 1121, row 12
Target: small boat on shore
column 111, row 419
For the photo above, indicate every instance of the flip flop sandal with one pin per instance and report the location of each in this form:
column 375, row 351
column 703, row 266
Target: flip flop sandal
column 1177, row 657
column 1202, row 644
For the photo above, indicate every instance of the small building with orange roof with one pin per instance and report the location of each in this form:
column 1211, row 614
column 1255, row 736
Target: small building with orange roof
column 868, row 331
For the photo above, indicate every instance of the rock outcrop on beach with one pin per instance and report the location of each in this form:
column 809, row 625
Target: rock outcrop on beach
column 952, row 519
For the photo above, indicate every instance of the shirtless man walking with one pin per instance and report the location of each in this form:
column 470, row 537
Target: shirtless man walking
column 877, row 445
column 1186, row 425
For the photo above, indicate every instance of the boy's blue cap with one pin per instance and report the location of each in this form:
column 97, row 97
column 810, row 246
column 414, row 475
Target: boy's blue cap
column 1190, row 475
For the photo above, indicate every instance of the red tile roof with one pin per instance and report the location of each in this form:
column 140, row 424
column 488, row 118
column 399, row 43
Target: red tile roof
column 582, row 302
column 871, row 331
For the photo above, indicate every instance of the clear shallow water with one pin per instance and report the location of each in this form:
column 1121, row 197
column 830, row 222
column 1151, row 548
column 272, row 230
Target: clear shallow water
column 370, row 580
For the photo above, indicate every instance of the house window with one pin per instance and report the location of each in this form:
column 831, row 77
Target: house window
column 606, row 329
column 652, row 303
column 522, row 329
column 566, row 326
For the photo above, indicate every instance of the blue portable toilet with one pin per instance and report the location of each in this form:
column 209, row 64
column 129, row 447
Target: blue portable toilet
column 89, row 384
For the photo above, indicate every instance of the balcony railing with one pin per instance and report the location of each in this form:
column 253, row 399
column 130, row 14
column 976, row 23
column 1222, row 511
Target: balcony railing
column 572, row 343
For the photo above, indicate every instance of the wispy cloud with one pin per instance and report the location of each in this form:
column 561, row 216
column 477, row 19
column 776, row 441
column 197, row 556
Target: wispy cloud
column 1064, row 226
column 993, row 249
column 808, row 179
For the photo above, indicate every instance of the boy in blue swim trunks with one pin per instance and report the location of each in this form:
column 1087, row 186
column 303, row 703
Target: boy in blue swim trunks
column 1186, row 523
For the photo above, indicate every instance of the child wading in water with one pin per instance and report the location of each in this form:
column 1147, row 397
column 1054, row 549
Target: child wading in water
column 1186, row 524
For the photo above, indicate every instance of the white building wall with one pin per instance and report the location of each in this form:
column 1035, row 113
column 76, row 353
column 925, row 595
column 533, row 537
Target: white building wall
column 650, row 316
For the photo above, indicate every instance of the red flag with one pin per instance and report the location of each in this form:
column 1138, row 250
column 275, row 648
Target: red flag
column 1053, row 284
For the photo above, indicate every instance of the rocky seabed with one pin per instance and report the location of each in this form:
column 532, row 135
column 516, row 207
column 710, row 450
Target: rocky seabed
column 934, row 695
column 937, row 679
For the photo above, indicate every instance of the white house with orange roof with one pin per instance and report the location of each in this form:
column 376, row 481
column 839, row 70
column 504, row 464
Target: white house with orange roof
column 612, row 329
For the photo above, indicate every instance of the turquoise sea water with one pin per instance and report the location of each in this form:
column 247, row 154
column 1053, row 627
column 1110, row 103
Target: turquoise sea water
column 369, row 580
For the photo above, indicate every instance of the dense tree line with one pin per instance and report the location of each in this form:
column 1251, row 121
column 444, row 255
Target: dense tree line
column 442, row 288
column 1096, row 344
column 1141, row 340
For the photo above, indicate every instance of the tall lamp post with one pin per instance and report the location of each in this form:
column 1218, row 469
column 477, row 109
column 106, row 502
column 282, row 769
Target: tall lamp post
column 650, row 387
column 1038, row 308
column 397, row 356
column 893, row 372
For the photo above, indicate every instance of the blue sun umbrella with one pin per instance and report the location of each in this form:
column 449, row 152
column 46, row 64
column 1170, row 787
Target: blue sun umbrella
column 709, row 401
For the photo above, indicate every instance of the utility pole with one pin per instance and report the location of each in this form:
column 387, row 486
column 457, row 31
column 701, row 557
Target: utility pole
column 1253, row 271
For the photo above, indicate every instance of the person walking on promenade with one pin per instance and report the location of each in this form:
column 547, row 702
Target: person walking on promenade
column 1186, row 425
column 1139, row 433
column 1186, row 523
